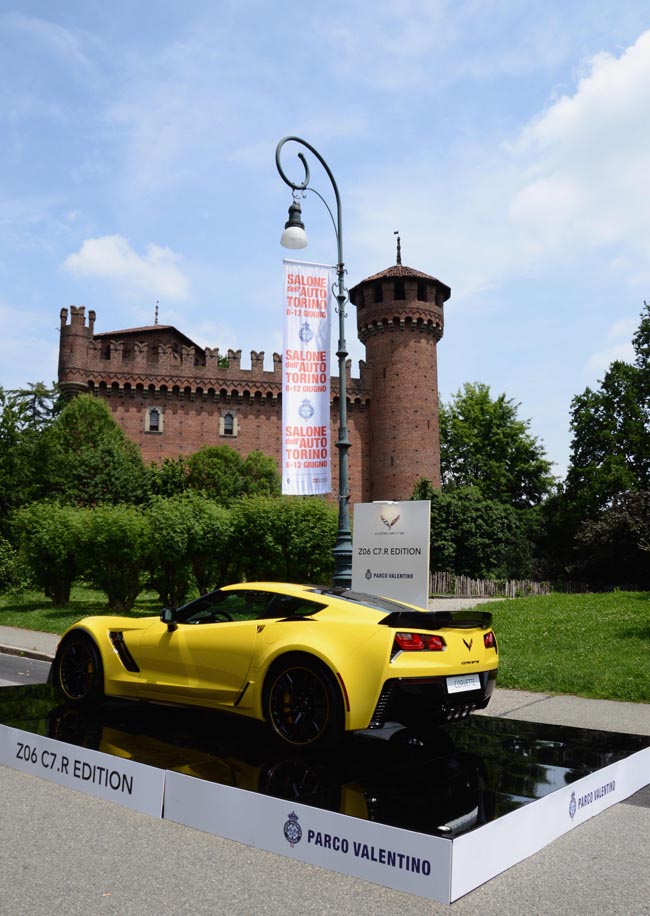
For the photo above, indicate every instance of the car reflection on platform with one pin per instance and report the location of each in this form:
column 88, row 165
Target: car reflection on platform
column 442, row 781
column 393, row 777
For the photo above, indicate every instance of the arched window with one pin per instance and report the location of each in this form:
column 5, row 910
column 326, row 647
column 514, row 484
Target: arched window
column 228, row 423
column 153, row 420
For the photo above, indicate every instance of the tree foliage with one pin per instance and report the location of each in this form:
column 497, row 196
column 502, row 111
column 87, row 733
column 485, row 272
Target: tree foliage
column 589, row 523
column 115, row 552
column 23, row 417
column 220, row 473
column 52, row 539
column 614, row 546
column 210, row 543
column 288, row 539
column 88, row 459
column 169, row 478
column 478, row 537
column 484, row 444
column 168, row 534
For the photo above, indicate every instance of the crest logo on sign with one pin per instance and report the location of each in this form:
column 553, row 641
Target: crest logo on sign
column 305, row 410
column 292, row 830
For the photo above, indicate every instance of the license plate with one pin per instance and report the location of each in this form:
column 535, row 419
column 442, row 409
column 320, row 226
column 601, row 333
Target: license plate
column 463, row 682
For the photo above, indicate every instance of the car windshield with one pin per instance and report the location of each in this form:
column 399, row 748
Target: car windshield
column 385, row 605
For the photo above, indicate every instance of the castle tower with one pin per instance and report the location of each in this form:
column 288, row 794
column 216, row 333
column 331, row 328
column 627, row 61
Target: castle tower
column 73, row 350
column 400, row 321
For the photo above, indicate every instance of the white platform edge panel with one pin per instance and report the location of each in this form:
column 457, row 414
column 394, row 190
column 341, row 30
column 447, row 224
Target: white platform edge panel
column 436, row 868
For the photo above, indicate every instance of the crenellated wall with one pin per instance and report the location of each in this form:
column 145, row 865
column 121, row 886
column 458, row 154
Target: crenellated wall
column 173, row 397
column 194, row 389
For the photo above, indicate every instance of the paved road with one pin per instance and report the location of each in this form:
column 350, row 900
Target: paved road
column 15, row 669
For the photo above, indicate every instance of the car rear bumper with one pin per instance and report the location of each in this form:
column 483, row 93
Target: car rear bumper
column 427, row 700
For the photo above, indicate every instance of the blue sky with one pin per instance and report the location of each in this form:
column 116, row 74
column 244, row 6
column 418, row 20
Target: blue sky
column 508, row 141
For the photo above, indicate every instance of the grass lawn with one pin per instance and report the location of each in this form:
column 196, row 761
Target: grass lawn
column 589, row 645
column 33, row 611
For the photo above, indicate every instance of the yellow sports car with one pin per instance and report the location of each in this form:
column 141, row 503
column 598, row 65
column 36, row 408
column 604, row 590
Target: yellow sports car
column 311, row 662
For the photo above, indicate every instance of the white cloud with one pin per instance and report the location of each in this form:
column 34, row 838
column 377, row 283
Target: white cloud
column 586, row 161
column 602, row 360
column 111, row 257
column 570, row 188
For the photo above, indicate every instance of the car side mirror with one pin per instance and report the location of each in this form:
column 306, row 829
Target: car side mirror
column 168, row 616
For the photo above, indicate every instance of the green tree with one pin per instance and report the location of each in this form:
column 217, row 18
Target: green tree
column 115, row 553
column 610, row 448
column 88, row 459
column 484, row 444
column 52, row 539
column 169, row 478
column 37, row 405
column 220, row 473
column 610, row 461
column 24, row 415
column 478, row 537
column 614, row 547
column 260, row 475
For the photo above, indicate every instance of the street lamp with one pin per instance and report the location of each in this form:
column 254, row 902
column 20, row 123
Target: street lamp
column 295, row 237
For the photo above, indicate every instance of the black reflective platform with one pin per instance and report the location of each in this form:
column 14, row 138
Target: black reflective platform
column 444, row 782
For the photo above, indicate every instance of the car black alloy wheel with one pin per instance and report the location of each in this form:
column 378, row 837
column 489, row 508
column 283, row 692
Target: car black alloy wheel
column 79, row 670
column 303, row 706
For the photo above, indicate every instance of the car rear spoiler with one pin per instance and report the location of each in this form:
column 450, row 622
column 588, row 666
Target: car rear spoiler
column 438, row 620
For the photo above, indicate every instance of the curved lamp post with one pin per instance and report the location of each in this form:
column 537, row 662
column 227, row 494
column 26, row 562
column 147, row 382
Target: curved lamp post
column 295, row 237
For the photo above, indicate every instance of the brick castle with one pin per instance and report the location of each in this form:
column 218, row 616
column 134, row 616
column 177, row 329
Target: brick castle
column 173, row 397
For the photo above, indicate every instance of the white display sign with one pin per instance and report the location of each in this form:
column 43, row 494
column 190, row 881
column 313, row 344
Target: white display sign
column 406, row 861
column 133, row 785
column 306, row 445
column 390, row 550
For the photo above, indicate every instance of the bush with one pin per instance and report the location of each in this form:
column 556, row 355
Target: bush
column 210, row 543
column 288, row 539
column 52, row 540
column 169, row 525
column 14, row 573
column 115, row 553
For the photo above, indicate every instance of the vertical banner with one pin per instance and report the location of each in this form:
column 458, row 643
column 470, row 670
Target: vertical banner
column 306, row 440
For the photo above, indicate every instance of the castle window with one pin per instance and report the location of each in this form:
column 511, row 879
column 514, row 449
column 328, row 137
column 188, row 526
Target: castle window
column 423, row 292
column 399, row 292
column 228, row 425
column 107, row 351
column 153, row 420
column 379, row 293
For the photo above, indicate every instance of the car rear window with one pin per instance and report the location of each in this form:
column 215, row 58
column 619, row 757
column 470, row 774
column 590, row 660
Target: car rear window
column 385, row 605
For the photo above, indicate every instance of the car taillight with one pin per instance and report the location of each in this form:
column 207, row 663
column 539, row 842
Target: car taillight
column 418, row 642
column 489, row 640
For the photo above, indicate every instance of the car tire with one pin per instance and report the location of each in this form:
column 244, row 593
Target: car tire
column 78, row 671
column 303, row 705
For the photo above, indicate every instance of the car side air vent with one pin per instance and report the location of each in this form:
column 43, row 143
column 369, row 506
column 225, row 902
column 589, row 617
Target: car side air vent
column 117, row 640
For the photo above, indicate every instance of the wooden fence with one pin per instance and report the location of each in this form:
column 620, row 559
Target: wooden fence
column 442, row 583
